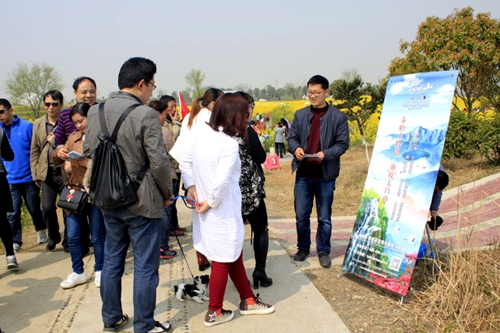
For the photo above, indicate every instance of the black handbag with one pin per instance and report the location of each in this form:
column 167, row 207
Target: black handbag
column 72, row 199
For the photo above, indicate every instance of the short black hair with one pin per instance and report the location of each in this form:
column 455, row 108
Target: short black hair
column 442, row 180
column 80, row 108
column 80, row 80
column 5, row 103
column 318, row 79
column 55, row 95
column 135, row 70
column 166, row 98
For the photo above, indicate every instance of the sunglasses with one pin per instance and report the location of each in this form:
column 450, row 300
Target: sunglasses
column 188, row 202
column 55, row 105
column 2, row 111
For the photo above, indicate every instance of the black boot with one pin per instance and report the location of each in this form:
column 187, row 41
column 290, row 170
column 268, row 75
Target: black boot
column 260, row 247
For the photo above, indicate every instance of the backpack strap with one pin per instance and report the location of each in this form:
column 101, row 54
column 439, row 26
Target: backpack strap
column 102, row 120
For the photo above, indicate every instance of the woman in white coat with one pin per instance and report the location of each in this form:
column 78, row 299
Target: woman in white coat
column 196, row 119
column 210, row 167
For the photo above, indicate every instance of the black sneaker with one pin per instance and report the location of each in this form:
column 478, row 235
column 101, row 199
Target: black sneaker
column 324, row 260
column 301, row 255
column 114, row 327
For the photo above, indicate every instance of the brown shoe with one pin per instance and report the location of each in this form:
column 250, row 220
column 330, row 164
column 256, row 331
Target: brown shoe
column 181, row 229
column 176, row 232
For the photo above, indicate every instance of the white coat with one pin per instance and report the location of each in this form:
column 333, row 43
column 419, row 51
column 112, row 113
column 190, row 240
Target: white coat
column 212, row 163
column 188, row 133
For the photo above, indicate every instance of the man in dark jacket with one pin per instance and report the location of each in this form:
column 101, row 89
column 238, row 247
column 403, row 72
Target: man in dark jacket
column 318, row 137
column 19, row 132
column 139, row 139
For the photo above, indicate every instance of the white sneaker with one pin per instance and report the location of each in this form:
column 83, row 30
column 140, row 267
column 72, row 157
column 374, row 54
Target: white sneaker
column 97, row 279
column 17, row 248
column 74, row 279
column 42, row 236
column 12, row 262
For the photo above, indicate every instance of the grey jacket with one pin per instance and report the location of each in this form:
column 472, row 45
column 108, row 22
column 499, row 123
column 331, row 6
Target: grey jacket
column 139, row 136
column 334, row 138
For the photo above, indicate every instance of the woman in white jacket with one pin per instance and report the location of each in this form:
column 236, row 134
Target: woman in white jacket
column 210, row 167
column 196, row 119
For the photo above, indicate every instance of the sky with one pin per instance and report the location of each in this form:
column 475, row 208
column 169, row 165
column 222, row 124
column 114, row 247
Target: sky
column 254, row 43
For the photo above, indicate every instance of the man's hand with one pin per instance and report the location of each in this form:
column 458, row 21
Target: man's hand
column 38, row 183
column 321, row 156
column 299, row 154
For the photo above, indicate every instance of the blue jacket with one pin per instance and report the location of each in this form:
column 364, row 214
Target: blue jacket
column 21, row 132
column 334, row 138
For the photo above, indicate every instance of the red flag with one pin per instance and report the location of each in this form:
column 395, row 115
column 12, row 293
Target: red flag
column 184, row 108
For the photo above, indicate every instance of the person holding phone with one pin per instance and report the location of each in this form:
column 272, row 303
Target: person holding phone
column 321, row 130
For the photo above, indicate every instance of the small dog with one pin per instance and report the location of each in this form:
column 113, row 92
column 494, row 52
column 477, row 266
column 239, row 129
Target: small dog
column 198, row 291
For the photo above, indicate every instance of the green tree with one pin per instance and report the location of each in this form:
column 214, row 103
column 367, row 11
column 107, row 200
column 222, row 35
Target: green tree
column 27, row 85
column 195, row 80
column 358, row 100
column 462, row 41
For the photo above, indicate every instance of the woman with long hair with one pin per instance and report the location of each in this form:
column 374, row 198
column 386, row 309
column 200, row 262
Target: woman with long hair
column 210, row 169
column 91, row 215
column 257, row 213
column 191, row 124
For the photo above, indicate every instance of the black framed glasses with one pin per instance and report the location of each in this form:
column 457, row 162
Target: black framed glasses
column 188, row 202
column 314, row 93
column 154, row 86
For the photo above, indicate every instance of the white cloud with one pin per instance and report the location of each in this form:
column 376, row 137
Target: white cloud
column 409, row 80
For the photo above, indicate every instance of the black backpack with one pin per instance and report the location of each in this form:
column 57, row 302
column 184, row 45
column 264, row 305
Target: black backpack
column 110, row 184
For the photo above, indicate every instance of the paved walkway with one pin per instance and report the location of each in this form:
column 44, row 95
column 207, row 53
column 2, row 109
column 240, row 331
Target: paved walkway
column 32, row 301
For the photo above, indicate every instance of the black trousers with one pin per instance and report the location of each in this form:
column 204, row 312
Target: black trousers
column 51, row 188
column 280, row 148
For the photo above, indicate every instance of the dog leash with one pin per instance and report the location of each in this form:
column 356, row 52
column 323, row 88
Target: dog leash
column 189, row 203
column 184, row 255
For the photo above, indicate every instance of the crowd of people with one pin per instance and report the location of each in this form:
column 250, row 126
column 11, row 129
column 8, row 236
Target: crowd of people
column 213, row 156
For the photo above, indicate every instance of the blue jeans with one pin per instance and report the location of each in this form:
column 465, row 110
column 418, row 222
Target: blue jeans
column 122, row 228
column 305, row 190
column 165, row 227
column 31, row 194
column 74, row 223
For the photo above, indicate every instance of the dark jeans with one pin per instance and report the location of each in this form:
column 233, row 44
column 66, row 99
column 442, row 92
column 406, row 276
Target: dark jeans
column 305, row 190
column 122, row 228
column 92, row 217
column 165, row 227
column 280, row 148
column 30, row 192
column 51, row 188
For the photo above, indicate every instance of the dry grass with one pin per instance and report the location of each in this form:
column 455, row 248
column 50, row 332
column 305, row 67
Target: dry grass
column 466, row 295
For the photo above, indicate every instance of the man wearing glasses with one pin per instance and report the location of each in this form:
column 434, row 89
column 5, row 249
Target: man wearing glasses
column 318, row 137
column 19, row 132
column 45, row 173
